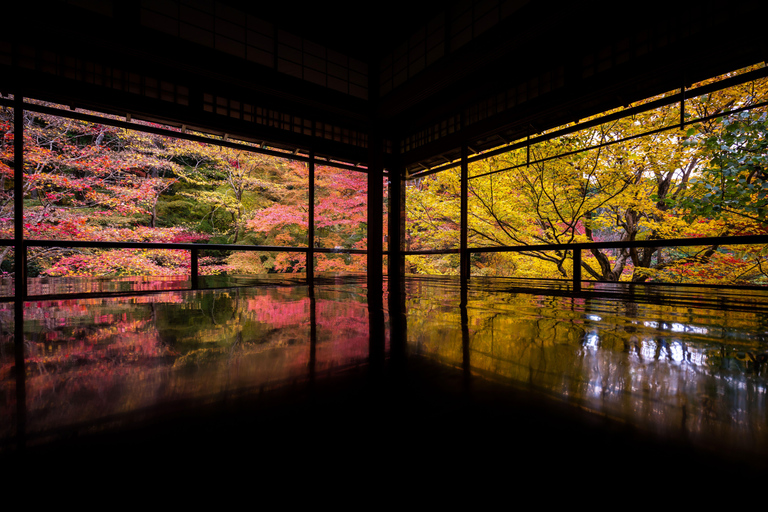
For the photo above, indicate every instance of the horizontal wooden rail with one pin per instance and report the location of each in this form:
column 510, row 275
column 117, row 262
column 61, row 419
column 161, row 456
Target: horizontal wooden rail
column 631, row 244
column 576, row 248
column 180, row 246
column 192, row 247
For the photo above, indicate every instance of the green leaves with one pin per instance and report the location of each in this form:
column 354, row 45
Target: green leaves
column 734, row 181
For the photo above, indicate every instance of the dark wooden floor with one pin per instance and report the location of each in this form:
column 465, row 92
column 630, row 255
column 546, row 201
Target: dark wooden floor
column 424, row 421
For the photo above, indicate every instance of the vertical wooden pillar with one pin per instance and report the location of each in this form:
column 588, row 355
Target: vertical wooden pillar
column 311, row 220
column 464, row 263
column 464, row 267
column 375, row 253
column 577, row 270
column 20, row 267
column 464, row 254
column 310, row 266
column 375, row 226
column 20, row 270
column 396, row 226
column 375, row 213
column 682, row 108
column 312, row 334
column 193, row 268
column 375, row 187
column 466, row 363
column 396, row 268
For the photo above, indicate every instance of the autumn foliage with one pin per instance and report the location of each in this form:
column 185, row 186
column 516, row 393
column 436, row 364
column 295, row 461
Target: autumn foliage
column 634, row 178
column 638, row 177
column 96, row 182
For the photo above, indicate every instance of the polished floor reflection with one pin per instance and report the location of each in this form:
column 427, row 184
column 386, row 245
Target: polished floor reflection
column 90, row 361
column 681, row 365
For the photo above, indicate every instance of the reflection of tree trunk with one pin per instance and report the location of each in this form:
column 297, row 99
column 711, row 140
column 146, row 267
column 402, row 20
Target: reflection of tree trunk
column 4, row 253
column 238, row 342
column 211, row 313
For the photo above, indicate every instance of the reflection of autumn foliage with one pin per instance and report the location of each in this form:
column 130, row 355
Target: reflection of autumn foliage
column 343, row 335
column 700, row 371
column 96, row 357
column 7, row 377
column 279, row 314
column 75, row 367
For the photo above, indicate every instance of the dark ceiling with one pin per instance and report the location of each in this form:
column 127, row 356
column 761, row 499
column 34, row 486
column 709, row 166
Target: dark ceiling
column 360, row 29
column 427, row 77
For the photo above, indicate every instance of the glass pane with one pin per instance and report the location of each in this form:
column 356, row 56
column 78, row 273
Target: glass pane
column 276, row 202
column 525, row 265
column 88, row 181
column 54, row 270
column 341, row 208
column 722, row 265
column 731, row 98
column 340, row 263
column 660, row 185
column 433, row 211
column 547, row 202
column 7, row 271
column 513, row 158
column 247, row 268
column 6, row 173
column 433, row 264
